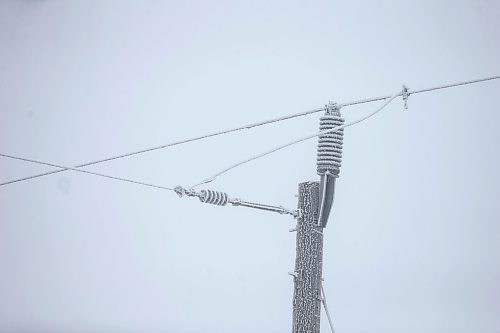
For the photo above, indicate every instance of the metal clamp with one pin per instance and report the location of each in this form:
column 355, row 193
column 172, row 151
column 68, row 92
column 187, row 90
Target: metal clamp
column 405, row 93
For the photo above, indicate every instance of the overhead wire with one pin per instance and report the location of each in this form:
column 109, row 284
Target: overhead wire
column 83, row 171
column 171, row 144
column 248, row 126
column 205, row 196
column 323, row 300
column 419, row 91
column 255, row 157
column 405, row 93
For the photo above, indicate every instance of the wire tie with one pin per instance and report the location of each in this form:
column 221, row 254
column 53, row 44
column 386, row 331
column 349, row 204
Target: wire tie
column 405, row 93
column 331, row 107
column 286, row 211
column 192, row 193
column 235, row 202
column 181, row 191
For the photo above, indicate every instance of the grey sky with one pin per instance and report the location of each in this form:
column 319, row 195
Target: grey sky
column 413, row 242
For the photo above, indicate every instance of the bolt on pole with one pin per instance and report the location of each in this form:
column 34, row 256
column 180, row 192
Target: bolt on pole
column 308, row 262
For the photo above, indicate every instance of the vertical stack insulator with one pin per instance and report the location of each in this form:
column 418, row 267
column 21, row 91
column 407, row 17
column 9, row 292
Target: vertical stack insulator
column 329, row 157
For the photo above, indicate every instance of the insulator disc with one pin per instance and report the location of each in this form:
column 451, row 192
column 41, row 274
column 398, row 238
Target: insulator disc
column 214, row 197
column 329, row 156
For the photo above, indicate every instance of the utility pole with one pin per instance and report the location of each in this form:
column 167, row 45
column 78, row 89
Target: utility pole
column 308, row 263
column 315, row 203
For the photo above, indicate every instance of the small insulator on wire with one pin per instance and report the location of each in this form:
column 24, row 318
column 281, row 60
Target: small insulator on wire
column 214, row 197
column 329, row 159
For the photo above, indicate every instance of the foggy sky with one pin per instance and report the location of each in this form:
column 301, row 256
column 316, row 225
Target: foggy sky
column 413, row 241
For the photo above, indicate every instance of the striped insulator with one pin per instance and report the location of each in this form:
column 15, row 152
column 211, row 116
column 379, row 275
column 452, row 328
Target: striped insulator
column 330, row 145
column 214, row 197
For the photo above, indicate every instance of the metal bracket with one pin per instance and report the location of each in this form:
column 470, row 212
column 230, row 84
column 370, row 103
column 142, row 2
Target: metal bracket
column 276, row 209
column 332, row 108
column 405, row 93
column 181, row 191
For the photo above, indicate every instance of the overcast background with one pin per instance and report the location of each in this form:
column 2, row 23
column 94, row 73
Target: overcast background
column 413, row 242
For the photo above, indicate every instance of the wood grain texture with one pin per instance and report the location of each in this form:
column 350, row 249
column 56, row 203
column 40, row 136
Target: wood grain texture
column 308, row 262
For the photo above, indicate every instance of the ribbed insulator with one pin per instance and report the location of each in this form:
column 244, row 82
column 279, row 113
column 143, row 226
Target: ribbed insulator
column 330, row 145
column 214, row 197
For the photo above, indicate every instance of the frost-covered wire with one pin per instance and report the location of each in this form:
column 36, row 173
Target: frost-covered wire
column 249, row 126
column 212, row 178
column 171, row 144
column 83, row 171
column 418, row 91
column 323, row 300
column 206, row 196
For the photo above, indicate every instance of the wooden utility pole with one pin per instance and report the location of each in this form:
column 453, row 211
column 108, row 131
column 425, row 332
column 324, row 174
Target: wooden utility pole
column 315, row 203
column 308, row 263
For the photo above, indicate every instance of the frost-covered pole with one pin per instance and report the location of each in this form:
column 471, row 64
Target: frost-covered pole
column 315, row 203
column 308, row 263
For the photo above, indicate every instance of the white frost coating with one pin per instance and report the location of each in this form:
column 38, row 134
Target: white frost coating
column 308, row 263
column 338, row 128
column 222, row 198
column 329, row 157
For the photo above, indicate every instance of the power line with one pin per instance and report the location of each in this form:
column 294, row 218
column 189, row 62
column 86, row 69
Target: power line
column 172, row 144
column 83, row 171
column 249, row 126
column 419, row 91
column 206, row 196
column 323, row 299
column 405, row 93
column 208, row 180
